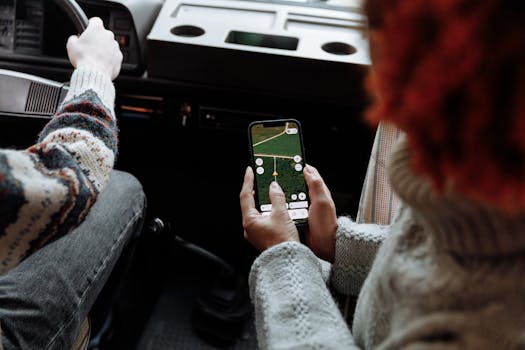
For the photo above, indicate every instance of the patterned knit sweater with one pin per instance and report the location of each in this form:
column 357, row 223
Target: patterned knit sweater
column 449, row 275
column 48, row 189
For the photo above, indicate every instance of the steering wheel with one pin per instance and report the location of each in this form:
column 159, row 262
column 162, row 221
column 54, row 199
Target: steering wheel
column 75, row 13
column 26, row 95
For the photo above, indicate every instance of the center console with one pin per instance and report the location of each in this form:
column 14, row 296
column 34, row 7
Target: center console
column 278, row 47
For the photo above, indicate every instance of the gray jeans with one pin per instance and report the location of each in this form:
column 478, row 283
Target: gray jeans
column 44, row 300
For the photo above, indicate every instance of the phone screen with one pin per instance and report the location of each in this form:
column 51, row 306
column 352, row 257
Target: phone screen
column 278, row 155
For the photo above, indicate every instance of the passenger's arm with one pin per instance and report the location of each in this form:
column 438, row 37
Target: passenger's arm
column 48, row 189
column 351, row 247
column 355, row 251
column 293, row 306
column 358, row 242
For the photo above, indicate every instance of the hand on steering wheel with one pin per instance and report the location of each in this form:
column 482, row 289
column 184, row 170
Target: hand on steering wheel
column 95, row 48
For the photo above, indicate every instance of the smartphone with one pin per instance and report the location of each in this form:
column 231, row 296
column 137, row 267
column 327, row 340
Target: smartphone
column 277, row 154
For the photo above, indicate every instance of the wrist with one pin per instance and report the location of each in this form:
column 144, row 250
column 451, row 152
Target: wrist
column 94, row 66
column 87, row 78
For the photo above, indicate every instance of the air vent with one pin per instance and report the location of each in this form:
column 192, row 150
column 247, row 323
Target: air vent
column 42, row 99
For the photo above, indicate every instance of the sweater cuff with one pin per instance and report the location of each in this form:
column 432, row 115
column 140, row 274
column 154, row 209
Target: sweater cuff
column 293, row 306
column 87, row 78
column 276, row 257
column 355, row 250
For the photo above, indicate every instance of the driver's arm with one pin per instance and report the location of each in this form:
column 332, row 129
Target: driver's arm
column 48, row 189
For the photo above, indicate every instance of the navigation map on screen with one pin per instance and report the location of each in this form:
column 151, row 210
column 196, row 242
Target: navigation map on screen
column 278, row 157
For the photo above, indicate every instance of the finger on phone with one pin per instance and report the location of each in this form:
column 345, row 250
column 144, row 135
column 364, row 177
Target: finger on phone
column 246, row 196
column 316, row 185
column 277, row 197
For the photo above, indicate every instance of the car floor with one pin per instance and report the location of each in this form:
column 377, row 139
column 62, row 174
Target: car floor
column 171, row 326
column 170, row 300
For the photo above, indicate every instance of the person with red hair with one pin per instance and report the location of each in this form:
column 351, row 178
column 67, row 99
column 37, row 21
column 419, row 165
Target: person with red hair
column 448, row 273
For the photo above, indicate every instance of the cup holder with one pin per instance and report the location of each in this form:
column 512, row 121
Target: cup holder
column 339, row 48
column 187, row 31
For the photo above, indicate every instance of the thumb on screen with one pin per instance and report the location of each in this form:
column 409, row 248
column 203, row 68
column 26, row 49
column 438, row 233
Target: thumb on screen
column 277, row 197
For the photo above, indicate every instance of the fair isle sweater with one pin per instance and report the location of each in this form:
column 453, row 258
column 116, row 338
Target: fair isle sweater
column 48, row 189
column 449, row 275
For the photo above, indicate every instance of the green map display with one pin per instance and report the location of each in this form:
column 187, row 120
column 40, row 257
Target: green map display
column 278, row 157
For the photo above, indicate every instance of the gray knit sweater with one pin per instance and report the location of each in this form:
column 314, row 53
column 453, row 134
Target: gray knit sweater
column 449, row 275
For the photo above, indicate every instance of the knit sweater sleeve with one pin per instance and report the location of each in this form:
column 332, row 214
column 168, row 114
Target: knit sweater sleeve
column 293, row 306
column 48, row 189
column 355, row 250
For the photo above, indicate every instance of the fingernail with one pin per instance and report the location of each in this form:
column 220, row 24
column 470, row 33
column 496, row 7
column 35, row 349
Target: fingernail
column 275, row 185
column 308, row 169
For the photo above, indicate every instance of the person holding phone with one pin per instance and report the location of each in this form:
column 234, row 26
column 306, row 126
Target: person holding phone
column 66, row 215
column 277, row 154
column 449, row 270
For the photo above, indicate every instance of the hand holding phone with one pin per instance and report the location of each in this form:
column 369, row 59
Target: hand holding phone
column 277, row 154
column 266, row 231
column 322, row 216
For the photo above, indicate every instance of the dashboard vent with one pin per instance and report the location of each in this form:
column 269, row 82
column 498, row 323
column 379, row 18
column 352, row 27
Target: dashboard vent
column 42, row 99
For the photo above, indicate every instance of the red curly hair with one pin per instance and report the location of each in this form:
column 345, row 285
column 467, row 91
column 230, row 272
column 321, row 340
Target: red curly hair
column 451, row 74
